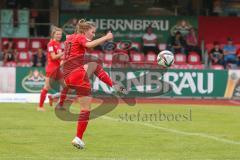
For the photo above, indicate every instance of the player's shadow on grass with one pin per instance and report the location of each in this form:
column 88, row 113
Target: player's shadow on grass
column 108, row 103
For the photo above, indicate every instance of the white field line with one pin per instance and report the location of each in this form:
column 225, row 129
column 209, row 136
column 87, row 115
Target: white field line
column 203, row 135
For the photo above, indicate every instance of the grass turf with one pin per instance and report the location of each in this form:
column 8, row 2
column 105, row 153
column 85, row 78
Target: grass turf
column 211, row 133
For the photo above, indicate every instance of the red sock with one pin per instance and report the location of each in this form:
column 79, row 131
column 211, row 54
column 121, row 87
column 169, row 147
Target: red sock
column 82, row 122
column 43, row 97
column 103, row 76
column 63, row 96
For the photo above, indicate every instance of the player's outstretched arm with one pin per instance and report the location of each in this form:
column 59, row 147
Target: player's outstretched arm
column 94, row 43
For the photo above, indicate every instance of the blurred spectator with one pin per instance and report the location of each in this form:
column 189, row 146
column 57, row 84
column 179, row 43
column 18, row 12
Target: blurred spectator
column 9, row 51
column 178, row 43
column 182, row 26
column 9, row 57
column 32, row 23
column 39, row 58
column 217, row 7
column 32, row 27
column 9, row 46
column 216, row 54
column 229, row 51
column 149, row 41
column 192, row 42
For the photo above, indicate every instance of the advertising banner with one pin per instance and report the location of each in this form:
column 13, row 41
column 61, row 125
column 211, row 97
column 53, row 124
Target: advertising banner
column 133, row 28
column 152, row 83
column 233, row 84
column 182, row 83
column 29, row 80
column 7, row 80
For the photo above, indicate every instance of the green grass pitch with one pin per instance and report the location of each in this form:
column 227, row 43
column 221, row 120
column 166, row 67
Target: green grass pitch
column 208, row 133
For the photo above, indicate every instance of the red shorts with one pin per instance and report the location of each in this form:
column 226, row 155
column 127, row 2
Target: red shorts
column 55, row 73
column 78, row 80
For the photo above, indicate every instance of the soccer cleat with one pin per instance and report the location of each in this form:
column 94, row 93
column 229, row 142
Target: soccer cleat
column 78, row 143
column 50, row 100
column 41, row 109
column 121, row 91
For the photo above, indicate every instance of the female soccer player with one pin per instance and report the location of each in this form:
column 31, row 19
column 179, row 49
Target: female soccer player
column 77, row 72
column 54, row 54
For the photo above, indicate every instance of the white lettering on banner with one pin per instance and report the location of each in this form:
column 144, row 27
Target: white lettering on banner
column 154, row 81
column 99, row 84
column 118, row 77
column 133, row 79
column 119, row 24
column 110, row 24
column 103, row 23
column 128, row 24
column 131, row 24
column 187, row 81
column 138, row 25
column 146, row 23
column 149, row 82
column 209, row 84
column 175, row 77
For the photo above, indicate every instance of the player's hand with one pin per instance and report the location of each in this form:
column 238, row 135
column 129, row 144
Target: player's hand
column 109, row 36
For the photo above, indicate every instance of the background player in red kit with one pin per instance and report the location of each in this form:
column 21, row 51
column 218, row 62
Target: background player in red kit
column 77, row 72
column 54, row 54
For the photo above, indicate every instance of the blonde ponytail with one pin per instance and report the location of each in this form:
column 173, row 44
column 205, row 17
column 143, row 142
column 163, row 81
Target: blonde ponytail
column 83, row 25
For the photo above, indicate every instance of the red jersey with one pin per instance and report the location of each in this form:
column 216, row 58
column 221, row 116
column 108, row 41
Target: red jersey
column 53, row 46
column 75, row 48
column 75, row 45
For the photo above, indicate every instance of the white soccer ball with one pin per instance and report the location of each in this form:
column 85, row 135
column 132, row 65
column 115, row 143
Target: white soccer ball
column 165, row 58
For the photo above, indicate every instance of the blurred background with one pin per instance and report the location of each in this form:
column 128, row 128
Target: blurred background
column 203, row 35
column 197, row 119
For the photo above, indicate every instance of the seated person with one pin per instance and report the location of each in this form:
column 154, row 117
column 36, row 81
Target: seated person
column 229, row 51
column 9, row 46
column 192, row 42
column 9, row 57
column 216, row 54
column 39, row 58
column 178, row 43
column 9, row 51
column 149, row 41
column 182, row 26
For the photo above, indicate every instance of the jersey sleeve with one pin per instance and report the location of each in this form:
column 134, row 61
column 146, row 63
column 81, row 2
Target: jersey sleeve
column 82, row 40
column 50, row 47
